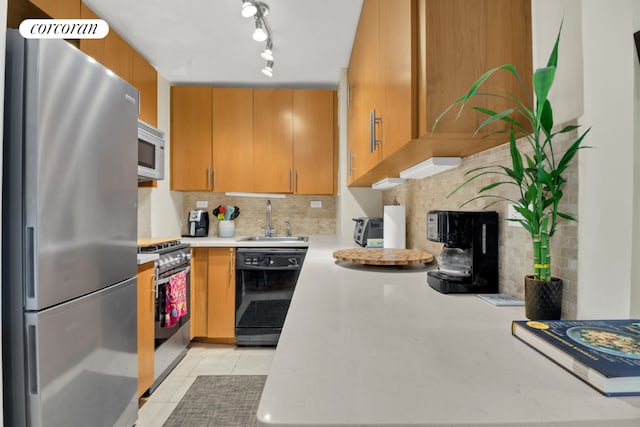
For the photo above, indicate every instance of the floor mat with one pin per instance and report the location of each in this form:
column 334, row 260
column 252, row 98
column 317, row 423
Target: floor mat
column 219, row 400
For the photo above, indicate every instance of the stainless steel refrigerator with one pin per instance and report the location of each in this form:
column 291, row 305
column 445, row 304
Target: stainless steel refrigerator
column 69, row 239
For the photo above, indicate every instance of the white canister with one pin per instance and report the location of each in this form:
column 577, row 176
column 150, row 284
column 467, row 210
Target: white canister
column 226, row 228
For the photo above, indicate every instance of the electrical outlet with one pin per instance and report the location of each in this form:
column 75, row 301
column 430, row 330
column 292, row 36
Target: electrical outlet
column 316, row 203
column 513, row 214
column 202, row 204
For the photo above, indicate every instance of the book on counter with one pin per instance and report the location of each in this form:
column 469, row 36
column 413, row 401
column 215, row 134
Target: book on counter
column 501, row 300
column 603, row 353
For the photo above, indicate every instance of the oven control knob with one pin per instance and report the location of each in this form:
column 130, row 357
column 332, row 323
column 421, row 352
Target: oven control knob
column 293, row 262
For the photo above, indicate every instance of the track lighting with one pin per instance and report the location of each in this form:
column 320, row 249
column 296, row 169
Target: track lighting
column 268, row 69
column 259, row 11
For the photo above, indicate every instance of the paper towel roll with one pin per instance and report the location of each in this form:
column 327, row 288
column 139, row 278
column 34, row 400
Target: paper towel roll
column 394, row 227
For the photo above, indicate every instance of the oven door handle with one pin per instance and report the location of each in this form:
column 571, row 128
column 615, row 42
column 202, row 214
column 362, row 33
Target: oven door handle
column 166, row 279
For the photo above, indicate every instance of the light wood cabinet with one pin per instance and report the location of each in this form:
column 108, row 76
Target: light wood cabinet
column 199, row 291
column 313, row 142
column 112, row 51
column 222, row 293
column 213, row 293
column 59, row 9
column 363, row 78
column 146, row 325
column 419, row 76
column 232, row 137
column 191, row 142
column 273, row 140
column 253, row 140
column 397, row 96
column 115, row 53
column 145, row 78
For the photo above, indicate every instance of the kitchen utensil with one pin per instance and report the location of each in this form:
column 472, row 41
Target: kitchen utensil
column 236, row 212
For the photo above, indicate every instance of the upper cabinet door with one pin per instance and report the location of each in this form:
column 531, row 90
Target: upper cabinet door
column 364, row 93
column 191, row 138
column 232, row 133
column 59, row 9
column 273, row 140
column 313, row 141
column 145, row 78
column 112, row 51
column 396, row 73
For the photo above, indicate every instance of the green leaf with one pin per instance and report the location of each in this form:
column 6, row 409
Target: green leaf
column 566, row 216
column 542, row 81
column 553, row 58
column 515, row 158
column 571, row 151
column 499, row 116
column 503, row 118
column 567, row 129
column 546, row 119
column 494, row 185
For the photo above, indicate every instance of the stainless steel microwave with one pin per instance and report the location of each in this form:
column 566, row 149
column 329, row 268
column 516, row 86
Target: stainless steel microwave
column 150, row 152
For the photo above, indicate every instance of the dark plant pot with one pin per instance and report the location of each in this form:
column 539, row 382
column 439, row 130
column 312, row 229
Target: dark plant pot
column 543, row 301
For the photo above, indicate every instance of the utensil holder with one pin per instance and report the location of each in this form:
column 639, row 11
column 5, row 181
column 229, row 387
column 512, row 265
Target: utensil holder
column 226, row 228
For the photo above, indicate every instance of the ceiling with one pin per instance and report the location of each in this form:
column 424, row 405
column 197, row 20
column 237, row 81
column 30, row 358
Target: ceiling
column 209, row 42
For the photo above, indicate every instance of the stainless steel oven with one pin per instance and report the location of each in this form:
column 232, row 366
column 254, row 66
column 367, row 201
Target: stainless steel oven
column 171, row 340
column 265, row 281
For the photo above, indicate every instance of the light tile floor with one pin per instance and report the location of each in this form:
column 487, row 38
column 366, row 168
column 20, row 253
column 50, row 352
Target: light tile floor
column 201, row 359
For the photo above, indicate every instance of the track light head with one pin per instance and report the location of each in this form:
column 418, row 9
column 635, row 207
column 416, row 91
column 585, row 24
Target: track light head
column 260, row 34
column 249, row 9
column 268, row 69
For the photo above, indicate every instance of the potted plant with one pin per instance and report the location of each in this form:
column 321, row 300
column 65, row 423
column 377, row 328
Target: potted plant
column 537, row 175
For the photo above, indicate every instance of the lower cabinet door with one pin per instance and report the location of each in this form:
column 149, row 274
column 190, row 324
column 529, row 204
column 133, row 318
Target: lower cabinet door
column 221, row 293
column 146, row 302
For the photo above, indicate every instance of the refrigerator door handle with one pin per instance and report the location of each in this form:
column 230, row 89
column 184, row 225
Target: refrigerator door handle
column 34, row 410
column 30, row 271
column 32, row 359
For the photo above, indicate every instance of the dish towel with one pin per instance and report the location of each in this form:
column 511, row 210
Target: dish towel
column 176, row 299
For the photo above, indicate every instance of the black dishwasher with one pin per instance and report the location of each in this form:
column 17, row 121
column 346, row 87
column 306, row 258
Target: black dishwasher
column 265, row 281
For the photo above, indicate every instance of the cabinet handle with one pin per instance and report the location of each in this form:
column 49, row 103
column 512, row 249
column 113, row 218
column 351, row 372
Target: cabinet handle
column 373, row 140
column 208, row 177
column 349, row 162
column 290, row 180
column 215, row 178
column 295, row 182
column 349, row 95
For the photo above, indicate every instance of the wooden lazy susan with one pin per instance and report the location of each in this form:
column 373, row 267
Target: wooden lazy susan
column 379, row 256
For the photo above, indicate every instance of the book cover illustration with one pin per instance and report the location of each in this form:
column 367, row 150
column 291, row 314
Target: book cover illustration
column 604, row 353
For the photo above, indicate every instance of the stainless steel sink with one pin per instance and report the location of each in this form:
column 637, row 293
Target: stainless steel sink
column 274, row 239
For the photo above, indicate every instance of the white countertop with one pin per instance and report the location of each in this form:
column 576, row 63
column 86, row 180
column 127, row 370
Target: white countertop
column 371, row 346
column 236, row 242
column 145, row 258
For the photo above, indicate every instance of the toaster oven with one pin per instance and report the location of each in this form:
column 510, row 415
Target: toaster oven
column 368, row 231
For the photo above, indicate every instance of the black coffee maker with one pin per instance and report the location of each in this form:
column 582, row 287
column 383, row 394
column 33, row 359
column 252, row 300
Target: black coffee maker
column 198, row 223
column 468, row 262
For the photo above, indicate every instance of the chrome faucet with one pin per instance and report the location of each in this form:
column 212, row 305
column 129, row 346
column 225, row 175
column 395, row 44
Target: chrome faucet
column 268, row 230
column 288, row 225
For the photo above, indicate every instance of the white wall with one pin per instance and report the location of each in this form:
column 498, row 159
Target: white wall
column 567, row 94
column 160, row 209
column 3, row 26
column 166, row 212
column 352, row 202
column 607, row 191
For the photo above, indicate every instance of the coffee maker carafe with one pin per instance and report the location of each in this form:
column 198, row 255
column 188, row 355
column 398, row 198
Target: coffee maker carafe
column 198, row 223
column 468, row 262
